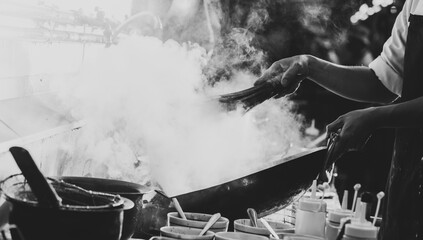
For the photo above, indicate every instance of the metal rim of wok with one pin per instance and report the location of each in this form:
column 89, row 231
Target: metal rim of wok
column 269, row 189
column 283, row 160
column 15, row 182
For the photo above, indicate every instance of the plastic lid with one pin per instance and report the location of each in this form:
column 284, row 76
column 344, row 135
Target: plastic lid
column 361, row 230
column 344, row 220
column 313, row 205
column 338, row 214
column 366, row 197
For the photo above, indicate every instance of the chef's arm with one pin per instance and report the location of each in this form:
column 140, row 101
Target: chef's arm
column 355, row 83
column 355, row 127
column 402, row 115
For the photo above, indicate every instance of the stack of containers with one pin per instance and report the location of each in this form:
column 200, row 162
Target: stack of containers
column 345, row 224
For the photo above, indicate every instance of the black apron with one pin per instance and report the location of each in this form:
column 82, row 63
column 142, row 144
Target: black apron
column 403, row 213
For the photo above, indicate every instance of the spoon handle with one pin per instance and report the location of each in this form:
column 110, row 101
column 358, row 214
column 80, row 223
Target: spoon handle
column 253, row 216
column 179, row 208
column 210, row 223
column 266, row 224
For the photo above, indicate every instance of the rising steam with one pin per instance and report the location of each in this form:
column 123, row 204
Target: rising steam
column 151, row 117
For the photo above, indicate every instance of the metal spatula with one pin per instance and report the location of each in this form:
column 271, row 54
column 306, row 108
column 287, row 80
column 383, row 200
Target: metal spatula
column 253, row 96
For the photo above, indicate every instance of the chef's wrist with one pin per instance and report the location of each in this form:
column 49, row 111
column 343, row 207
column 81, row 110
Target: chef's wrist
column 313, row 66
column 378, row 114
column 305, row 60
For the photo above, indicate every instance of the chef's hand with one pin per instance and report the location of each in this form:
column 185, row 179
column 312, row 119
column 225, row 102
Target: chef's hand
column 288, row 72
column 354, row 129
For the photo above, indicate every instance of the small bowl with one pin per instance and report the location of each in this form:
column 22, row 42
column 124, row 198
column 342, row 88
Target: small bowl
column 197, row 220
column 244, row 225
column 185, row 233
column 160, row 238
column 293, row 236
column 238, row 236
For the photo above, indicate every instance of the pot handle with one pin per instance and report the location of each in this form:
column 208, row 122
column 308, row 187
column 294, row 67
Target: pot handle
column 328, row 165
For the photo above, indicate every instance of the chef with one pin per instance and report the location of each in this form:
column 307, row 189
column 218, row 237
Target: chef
column 394, row 78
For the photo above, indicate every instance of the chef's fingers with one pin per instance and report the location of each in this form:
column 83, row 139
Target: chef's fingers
column 288, row 90
column 335, row 126
column 340, row 142
column 270, row 74
column 290, row 80
column 341, row 146
column 264, row 78
column 293, row 74
column 347, row 142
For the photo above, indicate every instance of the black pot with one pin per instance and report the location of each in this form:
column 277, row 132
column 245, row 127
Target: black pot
column 98, row 216
column 134, row 192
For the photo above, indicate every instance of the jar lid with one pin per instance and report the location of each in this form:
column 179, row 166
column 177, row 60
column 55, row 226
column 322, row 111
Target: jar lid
column 313, row 205
column 361, row 230
column 338, row 214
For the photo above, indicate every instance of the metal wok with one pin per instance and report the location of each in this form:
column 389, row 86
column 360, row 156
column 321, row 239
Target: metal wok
column 267, row 191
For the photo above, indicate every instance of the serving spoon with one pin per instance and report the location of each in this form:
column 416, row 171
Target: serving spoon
column 269, row 228
column 252, row 214
column 210, row 223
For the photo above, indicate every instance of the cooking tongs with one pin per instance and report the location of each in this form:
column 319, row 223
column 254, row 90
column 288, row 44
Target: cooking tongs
column 253, row 96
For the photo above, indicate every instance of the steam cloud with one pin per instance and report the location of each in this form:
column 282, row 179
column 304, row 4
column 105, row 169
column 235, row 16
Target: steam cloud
column 151, row 112
column 151, row 117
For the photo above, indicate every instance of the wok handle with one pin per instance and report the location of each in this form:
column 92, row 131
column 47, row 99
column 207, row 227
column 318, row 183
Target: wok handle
column 7, row 231
column 329, row 161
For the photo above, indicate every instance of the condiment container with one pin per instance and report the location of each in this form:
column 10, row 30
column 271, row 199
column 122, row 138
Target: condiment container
column 360, row 231
column 197, row 220
column 310, row 216
column 159, row 238
column 238, row 236
column 185, row 233
column 294, row 236
column 359, row 228
column 244, row 225
column 333, row 222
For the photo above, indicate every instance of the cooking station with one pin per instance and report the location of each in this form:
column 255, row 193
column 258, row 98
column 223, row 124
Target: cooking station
column 143, row 119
